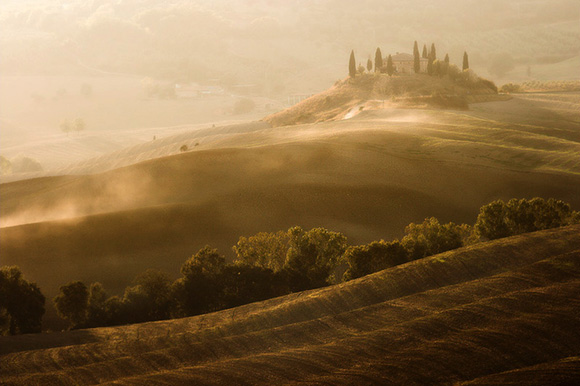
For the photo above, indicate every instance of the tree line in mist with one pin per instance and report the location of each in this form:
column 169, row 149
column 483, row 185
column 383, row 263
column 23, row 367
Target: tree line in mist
column 267, row 265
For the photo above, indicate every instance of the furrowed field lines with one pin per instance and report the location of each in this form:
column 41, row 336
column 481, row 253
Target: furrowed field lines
column 501, row 305
column 565, row 371
column 457, row 344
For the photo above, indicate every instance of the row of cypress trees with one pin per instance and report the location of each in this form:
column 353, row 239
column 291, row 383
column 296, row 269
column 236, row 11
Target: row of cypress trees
column 430, row 55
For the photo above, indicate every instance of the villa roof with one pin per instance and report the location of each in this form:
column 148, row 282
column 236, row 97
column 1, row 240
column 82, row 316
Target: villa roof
column 403, row 57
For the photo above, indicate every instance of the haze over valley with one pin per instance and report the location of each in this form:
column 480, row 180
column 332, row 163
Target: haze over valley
column 217, row 193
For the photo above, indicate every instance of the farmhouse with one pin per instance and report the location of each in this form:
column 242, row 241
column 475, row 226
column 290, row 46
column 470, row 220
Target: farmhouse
column 403, row 63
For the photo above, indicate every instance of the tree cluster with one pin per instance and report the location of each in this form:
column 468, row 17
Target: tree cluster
column 420, row 240
column 266, row 265
column 500, row 219
column 67, row 126
column 435, row 67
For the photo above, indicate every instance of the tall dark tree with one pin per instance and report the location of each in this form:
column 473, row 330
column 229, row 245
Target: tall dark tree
column 21, row 303
column 438, row 68
column 431, row 66
column 416, row 58
column 390, row 67
column 378, row 60
column 199, row 289
column 369, row 65
column 465, row 61
column 150, row 297
column 433, row 52
column 444, row 66
column 425, row 55
column 72, row 303
column 352, row 65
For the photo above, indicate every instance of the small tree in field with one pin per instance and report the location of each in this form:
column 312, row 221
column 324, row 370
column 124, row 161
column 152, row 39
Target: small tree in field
column 390, row 67
column 378, row 60
column 352, row 65
column 425, row 54
column 465, row 61
column 369, row 65
column 78, row 125
column 66, row 126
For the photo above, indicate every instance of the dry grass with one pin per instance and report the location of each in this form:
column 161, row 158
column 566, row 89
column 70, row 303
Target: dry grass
column 502, row 309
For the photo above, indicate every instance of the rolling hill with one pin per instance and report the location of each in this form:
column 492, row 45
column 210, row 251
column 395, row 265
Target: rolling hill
column 368, row 177
column 503, row 312
column 371, row 91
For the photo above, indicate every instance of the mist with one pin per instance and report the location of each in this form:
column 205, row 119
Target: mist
column 132, row 71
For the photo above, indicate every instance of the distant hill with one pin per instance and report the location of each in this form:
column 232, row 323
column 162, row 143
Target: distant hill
column 370, row 91
column 503, row 312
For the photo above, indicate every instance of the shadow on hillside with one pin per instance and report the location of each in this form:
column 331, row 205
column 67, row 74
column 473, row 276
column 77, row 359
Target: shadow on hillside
column 29, row 342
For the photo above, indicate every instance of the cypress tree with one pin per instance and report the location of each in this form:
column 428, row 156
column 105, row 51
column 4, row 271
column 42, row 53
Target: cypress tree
column 352, row 65
column 390, row 68
column 433, row 53
column 445, row 66
column 416, row 58
column 369, row 65
column 431, row 60
column 425, row 54
column 465, row 61
column 378, row 60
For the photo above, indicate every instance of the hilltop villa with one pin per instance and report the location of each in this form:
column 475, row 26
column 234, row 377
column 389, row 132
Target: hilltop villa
column 403, row 63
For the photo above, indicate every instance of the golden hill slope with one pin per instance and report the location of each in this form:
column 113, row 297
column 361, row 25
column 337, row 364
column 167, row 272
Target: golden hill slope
column 367, row 177
column 498, row 311
column 372, row 91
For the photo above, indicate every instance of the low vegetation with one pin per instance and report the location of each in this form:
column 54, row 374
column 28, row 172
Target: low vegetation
column 542, row 86
column 268, row 265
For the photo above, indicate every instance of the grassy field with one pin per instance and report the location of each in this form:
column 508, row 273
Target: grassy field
column 500, row 313
column 368, row 177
